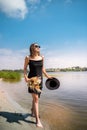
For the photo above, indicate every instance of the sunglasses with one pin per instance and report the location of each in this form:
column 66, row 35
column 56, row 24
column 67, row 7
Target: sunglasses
column 37, row 46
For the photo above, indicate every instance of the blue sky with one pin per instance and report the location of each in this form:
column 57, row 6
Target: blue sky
column 59, row 26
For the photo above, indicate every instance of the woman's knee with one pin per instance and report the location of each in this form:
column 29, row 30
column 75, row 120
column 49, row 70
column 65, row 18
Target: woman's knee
column 35, row 98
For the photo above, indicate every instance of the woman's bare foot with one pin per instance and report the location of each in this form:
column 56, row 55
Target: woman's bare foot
column 39, row 124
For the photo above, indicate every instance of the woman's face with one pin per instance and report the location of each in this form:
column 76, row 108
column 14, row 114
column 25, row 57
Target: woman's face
column 37, row 48
column 34, row 48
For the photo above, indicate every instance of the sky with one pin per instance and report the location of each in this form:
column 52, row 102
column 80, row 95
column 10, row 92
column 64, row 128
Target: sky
column 58, row 26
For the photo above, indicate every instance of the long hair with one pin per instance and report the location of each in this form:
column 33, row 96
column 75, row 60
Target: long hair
column 32, row 50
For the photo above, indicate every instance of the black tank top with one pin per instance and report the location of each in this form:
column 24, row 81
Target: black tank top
column 35, row 68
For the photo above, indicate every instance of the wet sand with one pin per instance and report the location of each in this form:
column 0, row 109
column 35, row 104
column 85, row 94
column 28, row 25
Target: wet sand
column 58, row 117
column 13, row 116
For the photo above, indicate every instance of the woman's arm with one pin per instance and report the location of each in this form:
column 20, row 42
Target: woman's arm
column 45, row 73
column 25, row 68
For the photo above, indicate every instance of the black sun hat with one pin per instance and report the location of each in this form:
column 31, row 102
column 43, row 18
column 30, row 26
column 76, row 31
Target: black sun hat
column 52, row 84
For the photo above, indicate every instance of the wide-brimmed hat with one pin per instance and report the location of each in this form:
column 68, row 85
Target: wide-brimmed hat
column 52, row 84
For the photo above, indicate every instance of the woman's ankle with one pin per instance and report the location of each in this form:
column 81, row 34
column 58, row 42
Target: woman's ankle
column 32, row 112
column 39, row 124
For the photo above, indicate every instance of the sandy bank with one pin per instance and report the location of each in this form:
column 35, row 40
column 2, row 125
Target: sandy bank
column 13, row 116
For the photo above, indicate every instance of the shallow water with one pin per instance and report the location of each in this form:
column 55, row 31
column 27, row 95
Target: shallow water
column 64, row 108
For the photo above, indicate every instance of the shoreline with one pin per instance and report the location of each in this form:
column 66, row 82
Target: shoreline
column 14, row 116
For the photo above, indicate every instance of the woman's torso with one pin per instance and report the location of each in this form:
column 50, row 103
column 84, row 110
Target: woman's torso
column 35, row 68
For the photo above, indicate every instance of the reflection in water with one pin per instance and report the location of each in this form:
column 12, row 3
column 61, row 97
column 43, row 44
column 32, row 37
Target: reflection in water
column 64, row 108
column 11, row 80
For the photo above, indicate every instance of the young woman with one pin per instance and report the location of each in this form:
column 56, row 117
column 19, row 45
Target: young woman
column 36, row 68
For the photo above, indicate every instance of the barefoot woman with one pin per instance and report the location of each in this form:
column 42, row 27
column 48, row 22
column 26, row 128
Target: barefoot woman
column 35, row 62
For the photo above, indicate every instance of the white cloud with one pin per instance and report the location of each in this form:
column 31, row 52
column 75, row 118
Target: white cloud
column 38, row 5
column 64, row 61
column 15, row 8
column 10, row 59
column 19, row 8
column 55, row 59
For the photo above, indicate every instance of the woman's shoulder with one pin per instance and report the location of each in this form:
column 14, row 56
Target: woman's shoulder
column 42, row 57
column 27, row 58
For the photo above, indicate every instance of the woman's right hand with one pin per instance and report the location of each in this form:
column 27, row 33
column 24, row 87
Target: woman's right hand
column 26, row 78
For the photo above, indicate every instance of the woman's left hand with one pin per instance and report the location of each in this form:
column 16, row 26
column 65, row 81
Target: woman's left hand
column 49, row 77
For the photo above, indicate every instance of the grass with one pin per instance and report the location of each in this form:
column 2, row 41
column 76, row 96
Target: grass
column 10, row 75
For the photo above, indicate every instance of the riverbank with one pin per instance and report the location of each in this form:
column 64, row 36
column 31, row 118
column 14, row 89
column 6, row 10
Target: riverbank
column 14, row 116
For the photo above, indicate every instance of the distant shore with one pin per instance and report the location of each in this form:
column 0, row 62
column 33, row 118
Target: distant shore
column 74, row 68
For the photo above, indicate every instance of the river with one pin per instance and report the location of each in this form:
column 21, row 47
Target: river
column 70, row 97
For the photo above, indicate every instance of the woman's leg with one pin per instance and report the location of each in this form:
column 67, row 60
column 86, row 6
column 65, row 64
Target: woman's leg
column 32, row 109
column 36, row 109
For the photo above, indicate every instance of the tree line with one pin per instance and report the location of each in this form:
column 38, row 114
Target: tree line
column 76, row 68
